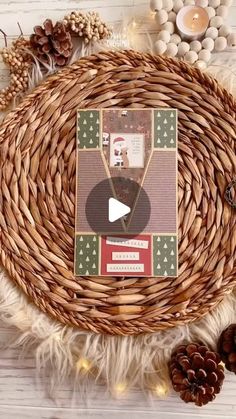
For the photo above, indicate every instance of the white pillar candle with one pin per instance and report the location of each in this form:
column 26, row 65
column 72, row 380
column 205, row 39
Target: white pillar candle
column 192, row 22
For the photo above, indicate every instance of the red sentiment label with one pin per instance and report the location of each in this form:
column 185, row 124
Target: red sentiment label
column 126, row 255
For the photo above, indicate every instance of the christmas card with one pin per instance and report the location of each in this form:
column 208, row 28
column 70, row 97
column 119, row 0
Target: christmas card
column 134, row 152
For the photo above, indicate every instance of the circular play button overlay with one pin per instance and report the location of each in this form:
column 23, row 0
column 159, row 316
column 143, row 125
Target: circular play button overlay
column 118, row 205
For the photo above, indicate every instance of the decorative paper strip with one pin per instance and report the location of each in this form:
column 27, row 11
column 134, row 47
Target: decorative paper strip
column 88, row 129
column 125, row 256
column 137, row 267
column 165, row 255
column 160, row 186
column 165, row 128
column 119, row 241
column 87, row 255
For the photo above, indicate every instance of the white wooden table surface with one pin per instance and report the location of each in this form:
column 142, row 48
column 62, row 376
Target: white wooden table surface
column 20, row 396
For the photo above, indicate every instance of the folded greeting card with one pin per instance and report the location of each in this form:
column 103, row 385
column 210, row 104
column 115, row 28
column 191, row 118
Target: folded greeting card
column 128, row 156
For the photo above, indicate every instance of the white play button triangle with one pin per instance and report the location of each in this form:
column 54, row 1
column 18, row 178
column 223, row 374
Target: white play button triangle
column 117, row 210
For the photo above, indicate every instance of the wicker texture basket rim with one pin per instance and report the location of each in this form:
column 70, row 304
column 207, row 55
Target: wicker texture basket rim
column 37, row 198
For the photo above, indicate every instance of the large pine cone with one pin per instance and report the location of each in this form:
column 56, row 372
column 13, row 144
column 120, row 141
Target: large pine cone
column 52, row 41
column 227, row 347
column 196, row 373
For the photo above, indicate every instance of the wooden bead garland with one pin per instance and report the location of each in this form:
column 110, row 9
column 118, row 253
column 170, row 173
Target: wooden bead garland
column 232, row 40
column 217, row 38
column 220, row 44
column 195, row 46
column 211, row 12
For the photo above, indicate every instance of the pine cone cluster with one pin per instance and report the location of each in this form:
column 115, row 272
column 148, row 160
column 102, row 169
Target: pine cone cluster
column 227, row 347
column 196, row 373
column 52, row 41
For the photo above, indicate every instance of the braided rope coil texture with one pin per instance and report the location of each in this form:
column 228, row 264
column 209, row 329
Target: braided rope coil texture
column 37, row 197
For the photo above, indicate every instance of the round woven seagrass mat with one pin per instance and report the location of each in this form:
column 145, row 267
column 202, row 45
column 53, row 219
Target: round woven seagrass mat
column 37, row 198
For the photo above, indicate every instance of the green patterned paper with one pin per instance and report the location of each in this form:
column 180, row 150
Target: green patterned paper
column 165, row 255
column 87, row 255
column 165, row 128
column 88, row 129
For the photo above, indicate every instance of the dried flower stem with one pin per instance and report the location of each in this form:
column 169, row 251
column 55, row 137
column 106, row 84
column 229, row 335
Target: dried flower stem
column 5, row 37
column 19, row 26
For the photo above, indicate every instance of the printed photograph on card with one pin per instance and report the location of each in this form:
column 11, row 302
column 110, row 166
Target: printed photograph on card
column 127, row 150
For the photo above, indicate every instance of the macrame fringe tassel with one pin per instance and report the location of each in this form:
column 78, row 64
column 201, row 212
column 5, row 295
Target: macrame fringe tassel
column 119, row 362
column 41, row 70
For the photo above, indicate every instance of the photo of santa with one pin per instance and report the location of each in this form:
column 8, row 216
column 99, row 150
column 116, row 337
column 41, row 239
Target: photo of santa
column 120, row 151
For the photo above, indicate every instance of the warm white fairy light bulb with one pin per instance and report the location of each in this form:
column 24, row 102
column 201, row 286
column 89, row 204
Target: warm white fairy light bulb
column 161, row 390
column 120, row 388
column 134, row 23
column 57, row 337
column 83, row 365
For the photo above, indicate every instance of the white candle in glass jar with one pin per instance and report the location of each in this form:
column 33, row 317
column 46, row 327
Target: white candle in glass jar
column 192, row 22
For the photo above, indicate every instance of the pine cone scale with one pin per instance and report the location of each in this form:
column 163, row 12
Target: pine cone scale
column 232, row 358
column 212, row 378
column 191, row 375
column 39, row 31
column 43, row 40
column 48, row 27
column 201, row 374
column 45, row 50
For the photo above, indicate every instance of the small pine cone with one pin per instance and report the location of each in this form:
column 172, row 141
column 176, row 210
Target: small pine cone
column 227, row 347
column 196, row 373
column 52, row 41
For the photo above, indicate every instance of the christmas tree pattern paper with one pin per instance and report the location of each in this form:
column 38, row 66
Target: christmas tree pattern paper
column 87, row 254
column 88, row 128
column 165, row 255
column 118, row 145
column 165, row 128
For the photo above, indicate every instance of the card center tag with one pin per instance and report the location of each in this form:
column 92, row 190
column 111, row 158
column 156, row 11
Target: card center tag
column 127, row 148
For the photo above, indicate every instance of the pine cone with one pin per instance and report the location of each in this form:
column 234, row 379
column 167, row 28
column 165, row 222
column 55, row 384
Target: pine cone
column 52, row 41
column 227, row 347
column 196, row 373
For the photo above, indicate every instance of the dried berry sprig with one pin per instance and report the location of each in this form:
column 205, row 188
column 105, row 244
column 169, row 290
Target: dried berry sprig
column 19, row 62
column 88, row 26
